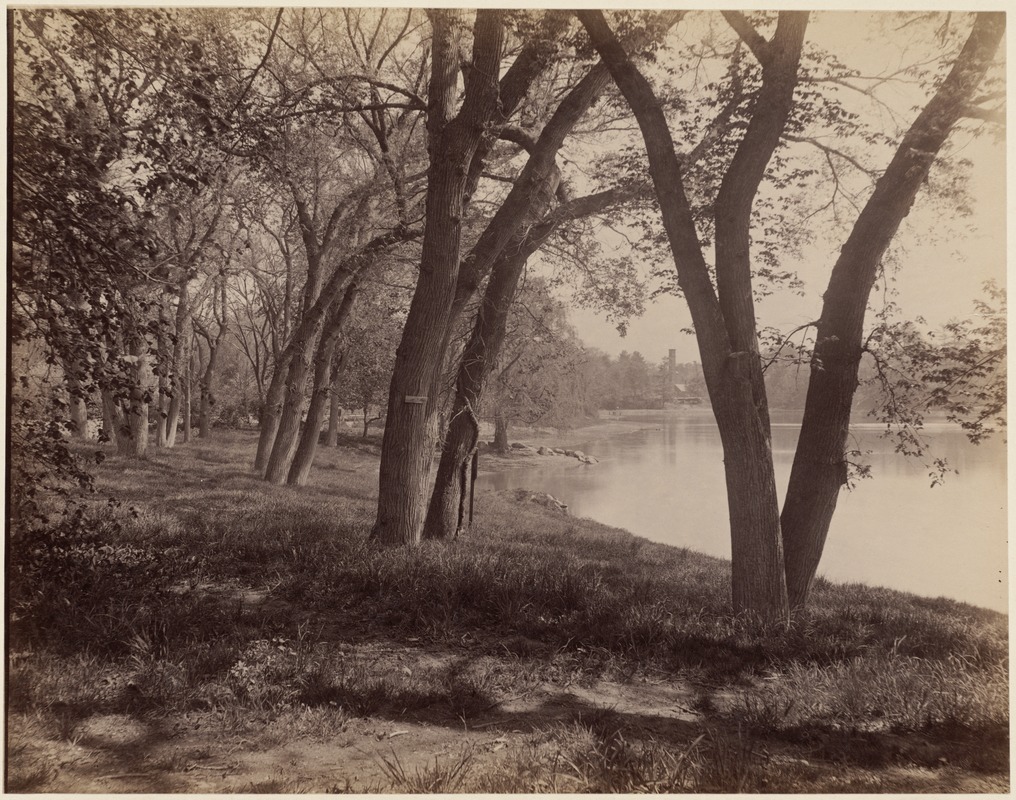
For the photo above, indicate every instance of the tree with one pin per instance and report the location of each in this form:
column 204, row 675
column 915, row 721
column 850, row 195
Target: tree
column 818, row 471
column 370, row 345
column 771, row 554
column 324, row 363
column 107, row 138
column 453, row 140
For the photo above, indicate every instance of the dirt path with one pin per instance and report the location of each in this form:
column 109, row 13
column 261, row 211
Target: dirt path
column 207, row 752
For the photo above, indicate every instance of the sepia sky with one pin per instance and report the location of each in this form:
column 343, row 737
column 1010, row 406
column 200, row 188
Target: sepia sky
column 937, row 281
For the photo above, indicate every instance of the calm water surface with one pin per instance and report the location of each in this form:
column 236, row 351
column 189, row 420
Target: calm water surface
column 666, row 484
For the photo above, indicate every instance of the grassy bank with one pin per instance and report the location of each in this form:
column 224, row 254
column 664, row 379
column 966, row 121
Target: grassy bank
column 232, row 635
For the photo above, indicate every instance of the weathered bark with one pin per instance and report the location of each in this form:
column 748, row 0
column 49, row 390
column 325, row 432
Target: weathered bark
column 724, row 320
column 407, row 447
column 478, row 357
column 181, row 364
column 78, row 411
column 819, row 469
column 206, row 389
column 303, row 458
column 163, row 367
column 135, row 443
column 462, row 437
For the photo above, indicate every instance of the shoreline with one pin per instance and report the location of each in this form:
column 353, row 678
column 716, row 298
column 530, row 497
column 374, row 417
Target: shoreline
column 493, row 462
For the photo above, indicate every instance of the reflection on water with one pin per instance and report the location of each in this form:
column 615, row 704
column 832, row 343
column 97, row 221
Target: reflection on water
column 666, row 483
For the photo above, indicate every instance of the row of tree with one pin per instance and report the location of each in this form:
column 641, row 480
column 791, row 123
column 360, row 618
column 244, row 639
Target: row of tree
column 358, row 192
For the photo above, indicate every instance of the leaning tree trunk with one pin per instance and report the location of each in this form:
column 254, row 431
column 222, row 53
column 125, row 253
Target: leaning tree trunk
column 724, row 318
column 303, row 459
column 288, row 427
column 820, row 468
column 445, row 515
column 407, row 447
column 271, row 411
column 301, row 346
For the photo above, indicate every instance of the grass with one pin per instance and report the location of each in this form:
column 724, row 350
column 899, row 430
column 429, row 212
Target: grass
column 269, row 608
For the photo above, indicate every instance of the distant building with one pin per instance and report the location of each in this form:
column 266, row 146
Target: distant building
column 676, row 394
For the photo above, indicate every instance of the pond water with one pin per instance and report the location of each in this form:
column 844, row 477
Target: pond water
column 666, row 483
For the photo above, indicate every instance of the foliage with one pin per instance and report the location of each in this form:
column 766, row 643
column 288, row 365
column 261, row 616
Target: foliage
column 537, row 378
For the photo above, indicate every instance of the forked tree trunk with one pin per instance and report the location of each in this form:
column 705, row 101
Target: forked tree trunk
column 303, row 459
column 407, row 446
column 820, row 468
column 724, row 318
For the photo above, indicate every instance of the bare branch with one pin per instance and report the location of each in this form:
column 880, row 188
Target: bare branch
column 832, row 151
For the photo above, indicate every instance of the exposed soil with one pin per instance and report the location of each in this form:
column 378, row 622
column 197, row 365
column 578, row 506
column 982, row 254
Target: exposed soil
column 204, row 752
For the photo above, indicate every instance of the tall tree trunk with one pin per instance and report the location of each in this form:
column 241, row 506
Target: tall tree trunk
column 407, row 446
column 163, row 370
column 724, row 322
column 78, row 410
column 77, row 407
column 271, row 412
column 503, row 250
column 206, row 387
column 135, row 443
column 288, row 429
column 114, row 426
column 820, row 468
column 303, row 459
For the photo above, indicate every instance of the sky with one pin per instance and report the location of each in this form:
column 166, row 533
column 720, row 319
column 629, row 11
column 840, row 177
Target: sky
column 937, row 281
